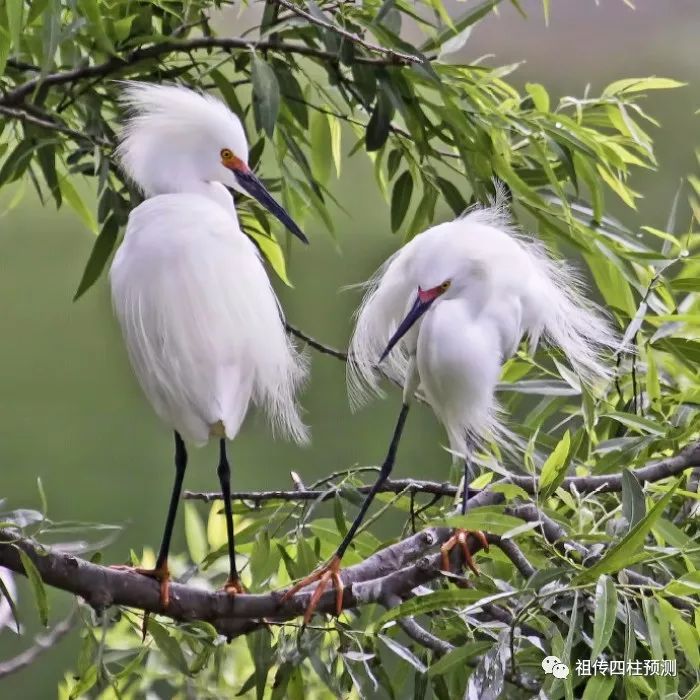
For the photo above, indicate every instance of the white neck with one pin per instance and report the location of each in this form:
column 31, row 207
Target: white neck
column 216, row 192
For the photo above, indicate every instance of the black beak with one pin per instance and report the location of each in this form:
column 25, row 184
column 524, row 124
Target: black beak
column 252, row 185
column 417, row 310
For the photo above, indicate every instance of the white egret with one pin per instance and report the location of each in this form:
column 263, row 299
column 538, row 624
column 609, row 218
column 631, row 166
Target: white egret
column 444, row 313
column 7, row 619
column 202, row 326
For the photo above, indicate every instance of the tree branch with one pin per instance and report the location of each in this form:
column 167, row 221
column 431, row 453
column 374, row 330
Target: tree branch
column 398, row 57
column 41, row 644
column 116, row 64
column 387, row 572
column 688, row 458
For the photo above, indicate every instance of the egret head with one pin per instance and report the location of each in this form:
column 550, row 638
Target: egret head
column 176, row 138
column 425, row 298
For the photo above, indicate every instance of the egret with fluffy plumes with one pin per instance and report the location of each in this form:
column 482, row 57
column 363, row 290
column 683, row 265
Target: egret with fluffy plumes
column 201, row 322
column 442, row 315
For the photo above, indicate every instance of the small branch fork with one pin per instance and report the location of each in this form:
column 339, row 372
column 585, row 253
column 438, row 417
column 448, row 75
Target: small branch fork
column 388, row 575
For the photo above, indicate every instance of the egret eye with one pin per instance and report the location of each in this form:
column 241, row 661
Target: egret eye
column 445, row 285
column 226, row 154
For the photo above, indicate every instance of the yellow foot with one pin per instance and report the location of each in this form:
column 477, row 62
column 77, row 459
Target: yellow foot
column 233, row 586
column 460, row 537
column 329, row 573
column 160, row 574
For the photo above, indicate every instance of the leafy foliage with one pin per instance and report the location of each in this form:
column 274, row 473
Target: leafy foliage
column 317, row 83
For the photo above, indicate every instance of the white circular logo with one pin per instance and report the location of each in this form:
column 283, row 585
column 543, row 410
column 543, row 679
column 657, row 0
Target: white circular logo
column 549, row 662
column 560, row 670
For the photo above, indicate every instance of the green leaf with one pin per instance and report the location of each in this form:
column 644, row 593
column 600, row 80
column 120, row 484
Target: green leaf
column 195, row 533
column 266, row 95
column 488, row 518
column 633, row 502
column 15, row 22
column 599, row 688
column 401, row 651
column 98, row 257
column 5, row 595
column 605, row 610
column 86, row 682
column 440, row 600
column 554, row 468
column 686, row 634
column 539, row 96
column 631, row 85
column 259, row 646
column 321, row 147
column 70, row 194
column 688, row 584
column 37, row 586
column 468, row 18
column 458, row 656
column 621, row 554
column 168, row 645
column 379, row 123
column 646, row 426
column 401, row 199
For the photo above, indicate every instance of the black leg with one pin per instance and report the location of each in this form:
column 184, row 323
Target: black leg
column 180, row 466
column 384, row 472
column 467, row 480
column 224, row 473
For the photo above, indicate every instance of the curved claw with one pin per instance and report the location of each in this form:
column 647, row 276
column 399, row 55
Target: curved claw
column 160, row 574
column 233, row 586
column 329, row 573
column 460, row 538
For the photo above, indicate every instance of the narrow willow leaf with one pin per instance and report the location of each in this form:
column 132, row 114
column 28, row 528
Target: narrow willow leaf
column 470, row 17
column 458, row 656
column 75, row 201
column 404, row 653
column 37, row 586
column 168, row 645
column 605, row 611
column 195, row 533
column 321, row 147
column 554, row 468
column 102, row 249
column 539, row 96
column 599, row 688
column 401, row 199
column 633, row 502
column 266, row 95
column 646, row 426
column 5, row 595
column 15, row 22
column 687, row 636
column 379, row 123
column 621, row 554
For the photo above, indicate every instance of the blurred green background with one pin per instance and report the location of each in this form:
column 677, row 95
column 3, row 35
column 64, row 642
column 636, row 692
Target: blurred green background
column 72, row 414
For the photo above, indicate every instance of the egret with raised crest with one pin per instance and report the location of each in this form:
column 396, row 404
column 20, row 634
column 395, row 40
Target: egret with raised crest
column 201, row 322
column 442, row 315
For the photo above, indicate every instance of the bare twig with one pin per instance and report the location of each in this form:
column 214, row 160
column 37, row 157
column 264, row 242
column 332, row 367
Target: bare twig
column 687, row 458
column 42, row 643
column 311, row 342
column 398, row 57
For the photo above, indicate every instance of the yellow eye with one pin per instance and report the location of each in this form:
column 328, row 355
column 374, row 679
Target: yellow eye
column 226, row 154
column 445, row 285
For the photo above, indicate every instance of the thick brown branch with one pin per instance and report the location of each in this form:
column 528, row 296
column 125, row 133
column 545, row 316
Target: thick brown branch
column 388, row 572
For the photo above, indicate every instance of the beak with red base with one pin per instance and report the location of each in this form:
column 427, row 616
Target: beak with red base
column 251, row 184
column 423, row 302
